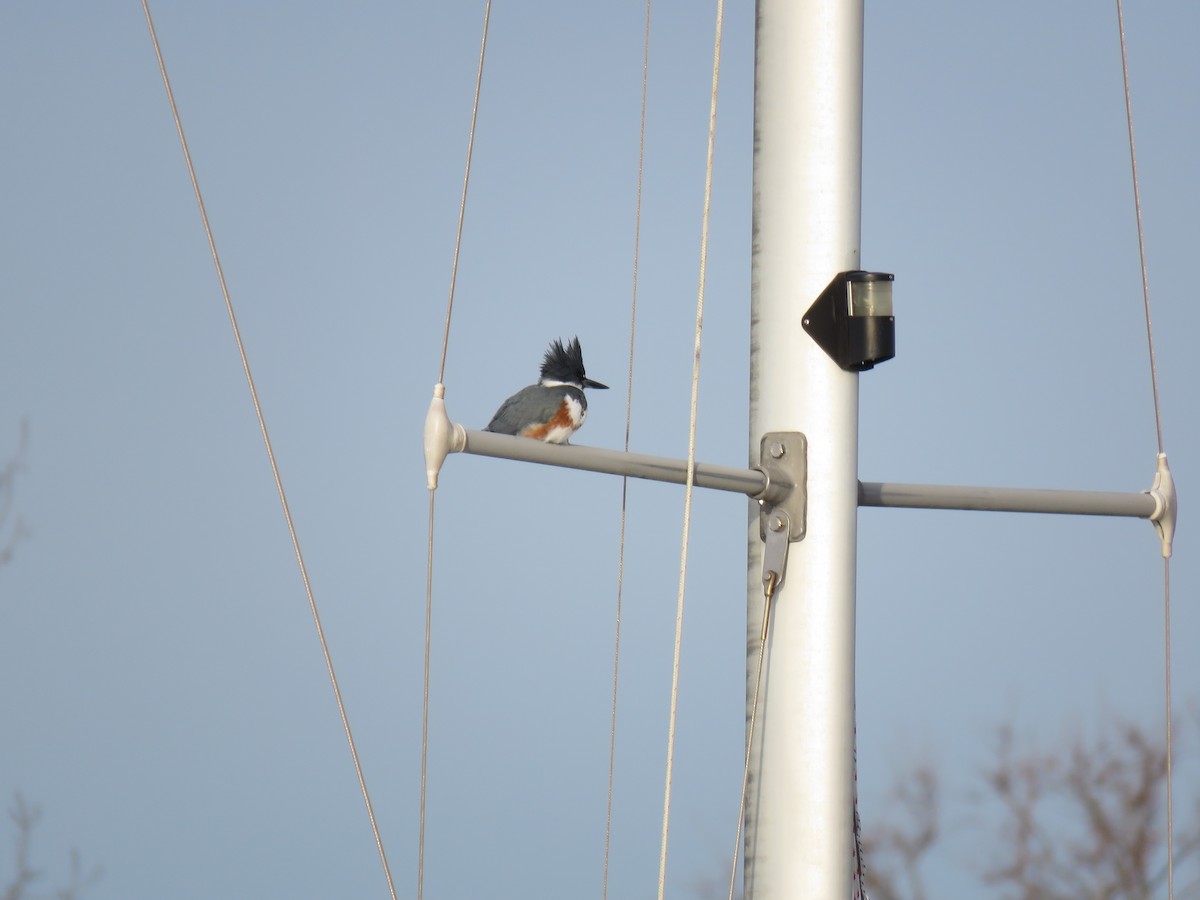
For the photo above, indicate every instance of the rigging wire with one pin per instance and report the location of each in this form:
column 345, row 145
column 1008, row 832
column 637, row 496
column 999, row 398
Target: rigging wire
column 425, row 700
column 691, row 454
column 1169, row 749
column 462, row 206
column 262, row 424
column 1137, row 205
column 768, row 601
column 771, row 583
column 462, row 213
column 637, row 243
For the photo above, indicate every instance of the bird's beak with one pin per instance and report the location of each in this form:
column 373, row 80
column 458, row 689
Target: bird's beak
column 587, row 382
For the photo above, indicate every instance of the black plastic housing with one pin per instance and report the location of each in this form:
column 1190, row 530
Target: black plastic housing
column 856, row 343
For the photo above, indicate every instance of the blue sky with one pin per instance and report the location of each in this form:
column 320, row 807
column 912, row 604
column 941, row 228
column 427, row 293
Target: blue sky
column 165, row 698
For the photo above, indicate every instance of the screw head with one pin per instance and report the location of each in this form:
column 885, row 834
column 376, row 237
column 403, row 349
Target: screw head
column 777, row 449
column 777, row 523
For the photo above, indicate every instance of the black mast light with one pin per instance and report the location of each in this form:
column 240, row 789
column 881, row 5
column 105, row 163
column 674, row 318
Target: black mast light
column 852, row 320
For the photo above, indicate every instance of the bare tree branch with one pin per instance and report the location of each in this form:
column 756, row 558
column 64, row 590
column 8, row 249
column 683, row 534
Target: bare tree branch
column 1084, row 822
column 895, row 850
column 25, row 817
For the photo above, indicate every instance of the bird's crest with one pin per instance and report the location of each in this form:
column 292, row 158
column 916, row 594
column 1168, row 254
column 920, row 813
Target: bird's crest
column 564, row 363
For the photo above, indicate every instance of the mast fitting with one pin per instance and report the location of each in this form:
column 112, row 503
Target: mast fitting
column 442, row 437
column 783, row 458
column 1165, row 504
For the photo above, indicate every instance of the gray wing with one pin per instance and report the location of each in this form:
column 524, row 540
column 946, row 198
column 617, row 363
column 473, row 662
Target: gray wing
column 531, row 404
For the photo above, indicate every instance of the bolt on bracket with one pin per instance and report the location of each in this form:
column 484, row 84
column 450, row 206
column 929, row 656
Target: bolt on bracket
column 783, row 458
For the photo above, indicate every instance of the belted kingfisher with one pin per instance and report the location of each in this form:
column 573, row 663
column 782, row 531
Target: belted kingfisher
column 553, row 409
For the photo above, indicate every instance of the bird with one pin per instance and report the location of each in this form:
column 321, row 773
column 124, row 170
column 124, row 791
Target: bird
column 553, row 409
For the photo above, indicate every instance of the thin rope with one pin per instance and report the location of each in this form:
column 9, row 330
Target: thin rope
column 637, row 243
column 769, row 596
column 462, row 206
column 691, row 457
column 1158, row 427
column 262, row 424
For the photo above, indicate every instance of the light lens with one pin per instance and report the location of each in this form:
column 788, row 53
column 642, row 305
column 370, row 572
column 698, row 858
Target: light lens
column 871, row 298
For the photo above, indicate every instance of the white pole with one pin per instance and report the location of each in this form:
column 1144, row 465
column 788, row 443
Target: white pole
column 807, row 187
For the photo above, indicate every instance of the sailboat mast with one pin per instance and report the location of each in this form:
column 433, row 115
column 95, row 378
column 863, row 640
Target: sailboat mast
column 807, row 197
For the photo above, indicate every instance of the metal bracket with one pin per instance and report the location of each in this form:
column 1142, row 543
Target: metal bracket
column 783, row 458
column 776, row 550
